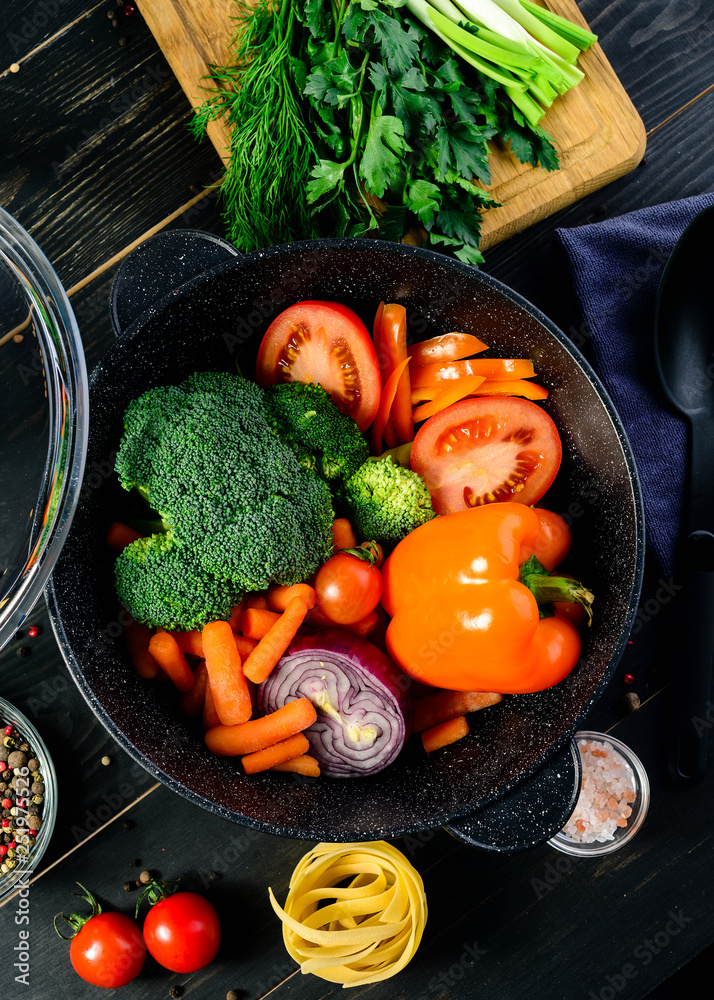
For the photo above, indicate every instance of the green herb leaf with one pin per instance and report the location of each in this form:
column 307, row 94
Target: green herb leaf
column 384, row 146
column 323, row 178
column 424, row 199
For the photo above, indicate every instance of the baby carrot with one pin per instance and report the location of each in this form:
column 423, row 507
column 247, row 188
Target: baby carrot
column 255, row 622
column 364, row 626
column 192, row 702
column 279, row 597
column 245, row 646
column 120, row 535
column 225, row 672
column 258, row 601
column 138, row 637
column 343, row 536
column 444, row 705
column 257, row 734
column 210, row 717
column 445, row 733
column 287, row 749
column 275, row 641
column 236, row 613
column 304, row 764
column 189, row 642
column 165, row 650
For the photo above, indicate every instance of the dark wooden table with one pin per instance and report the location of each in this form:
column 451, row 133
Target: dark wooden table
column 94, row 157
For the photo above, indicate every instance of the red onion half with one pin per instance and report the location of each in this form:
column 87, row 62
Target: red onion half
column 362, row 700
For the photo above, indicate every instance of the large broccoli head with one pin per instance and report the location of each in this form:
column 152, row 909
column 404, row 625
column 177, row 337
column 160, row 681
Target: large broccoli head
column 385, row 501
column 229, row 491
column 326, row 441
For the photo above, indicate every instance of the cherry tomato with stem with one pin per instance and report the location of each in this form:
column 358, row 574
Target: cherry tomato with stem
column 107, row 949
column 349, row 585
column 181, row 930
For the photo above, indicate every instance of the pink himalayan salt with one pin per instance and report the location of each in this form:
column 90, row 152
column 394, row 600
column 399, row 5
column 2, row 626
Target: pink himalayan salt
column 607, row 788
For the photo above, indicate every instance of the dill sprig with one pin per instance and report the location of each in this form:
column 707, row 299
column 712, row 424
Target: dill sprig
column 271, row 151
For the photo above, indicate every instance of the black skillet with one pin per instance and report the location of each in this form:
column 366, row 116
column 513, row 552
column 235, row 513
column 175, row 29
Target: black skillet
column 186, row 301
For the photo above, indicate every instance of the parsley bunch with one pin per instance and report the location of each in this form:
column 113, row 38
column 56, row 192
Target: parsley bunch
column 349, row 118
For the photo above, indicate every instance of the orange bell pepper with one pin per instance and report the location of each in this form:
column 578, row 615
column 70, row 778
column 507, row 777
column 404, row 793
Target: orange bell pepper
column 464, row 604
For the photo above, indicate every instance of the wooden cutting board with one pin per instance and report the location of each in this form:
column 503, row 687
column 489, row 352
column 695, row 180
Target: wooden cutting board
column 597, row 130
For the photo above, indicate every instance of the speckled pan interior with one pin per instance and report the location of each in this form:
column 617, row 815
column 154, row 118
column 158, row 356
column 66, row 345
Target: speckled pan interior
column 215, row 322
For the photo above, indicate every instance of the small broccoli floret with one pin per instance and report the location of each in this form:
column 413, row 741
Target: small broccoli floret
column 229, row 492
column 326, row 441
column 385, row 502
column 161, row 584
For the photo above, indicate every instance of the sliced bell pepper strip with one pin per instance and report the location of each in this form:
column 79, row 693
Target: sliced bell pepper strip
column 385, row 405
column 453, row 392
column 393, row 344
column 517, row 387
column 490, row 368
column 448, row 347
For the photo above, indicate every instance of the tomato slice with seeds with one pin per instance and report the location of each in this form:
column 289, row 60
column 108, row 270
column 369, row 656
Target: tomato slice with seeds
column 328, row 344
column 491, row 448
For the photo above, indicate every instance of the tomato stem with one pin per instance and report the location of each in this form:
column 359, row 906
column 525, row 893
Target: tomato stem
column 155, row 891
column 368, row 555
column 547, row 589
column 75, row 920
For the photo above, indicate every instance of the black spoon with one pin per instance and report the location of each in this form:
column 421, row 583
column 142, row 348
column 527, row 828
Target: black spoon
column 684, row 354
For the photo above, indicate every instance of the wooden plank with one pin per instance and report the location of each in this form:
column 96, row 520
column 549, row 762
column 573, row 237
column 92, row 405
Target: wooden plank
column 27, row 24
column 597, row 130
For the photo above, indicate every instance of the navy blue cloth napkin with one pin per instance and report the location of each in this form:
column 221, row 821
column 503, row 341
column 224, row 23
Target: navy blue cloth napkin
column 614, row 269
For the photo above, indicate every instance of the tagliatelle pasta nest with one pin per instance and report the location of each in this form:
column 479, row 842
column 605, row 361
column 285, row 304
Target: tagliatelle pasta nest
column 355, row 913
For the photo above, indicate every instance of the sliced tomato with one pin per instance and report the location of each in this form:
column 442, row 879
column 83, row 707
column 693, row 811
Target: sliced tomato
column 487, row 449
column 328, row 344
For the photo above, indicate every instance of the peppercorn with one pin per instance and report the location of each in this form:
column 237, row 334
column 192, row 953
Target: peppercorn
column 111, row 14
column 127, row 824
column 9, row 730
column 232, row 995
column 106, row 760
column 37, row 799
column 24, row 747
column 4, row 753
column 8, row 742
column 32, row 631
column 631, row 701
column 123, row 40
column 176, row 991
column 37, row 788
column 18, row 758
column 34, row 765
column 134, row 863
column 23, row 651
column 115, row 23
column 145, row 877
column 128, row 886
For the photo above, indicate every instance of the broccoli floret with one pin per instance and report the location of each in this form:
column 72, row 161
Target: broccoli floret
column 385, row 502
column 229, row 491
column 326, row 441
column 161, row 584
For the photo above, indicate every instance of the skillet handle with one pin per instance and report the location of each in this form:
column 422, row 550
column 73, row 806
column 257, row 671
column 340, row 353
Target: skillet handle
column 529, row 815
column 159, row 266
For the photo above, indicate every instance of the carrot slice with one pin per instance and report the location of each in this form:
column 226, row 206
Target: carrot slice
column 138, row 637
column 491, row 368
column 189, row 642
column 453, row 392
column 304, row 764
column 193, row 701
column 343, row 536
column 257, row 734
column 245, row 646
column 441, row 706
column 385, row 405
column 225, row 672
column 275, row 641
column 448, row 347
column 393, row 342
column 445, row 733
column 165, row 650
column 514, row 387
column 390, row 435
column 256, row 622
column 120, row 535
column 279, row 597
column 210, row 716
column 261, row 760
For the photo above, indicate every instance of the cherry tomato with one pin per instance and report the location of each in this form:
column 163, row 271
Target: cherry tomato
column 328, row 344
column 575, row 613
column 182, row 932
column 377, row 551
column 347, row 588
column 492, row 448
column 108, row 950
column 552, row 543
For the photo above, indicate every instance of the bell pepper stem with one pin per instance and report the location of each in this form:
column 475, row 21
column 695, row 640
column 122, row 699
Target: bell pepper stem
column 547, row 588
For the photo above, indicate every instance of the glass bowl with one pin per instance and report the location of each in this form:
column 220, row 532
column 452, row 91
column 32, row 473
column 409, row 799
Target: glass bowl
column 43, row 422
column 636, row 780
column 17, row 877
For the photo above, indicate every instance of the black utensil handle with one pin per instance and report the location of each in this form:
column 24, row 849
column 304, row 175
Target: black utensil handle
column 691, row 701
column 532, row 813
column 160, row 266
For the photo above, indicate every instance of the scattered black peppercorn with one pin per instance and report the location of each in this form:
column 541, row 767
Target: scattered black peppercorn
column 128, row 886
column 176, row 991
column 601, row 210
column 631, row 701
column 115, row 23
column 214, row 875
column 138, row 883
column 134, row 863
column 145, row 878
column 23, row 651
column 111, row 14
column 127, row 824
column 17, row 636
column 232, row 995
column 643, row 162
column 123, row 40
